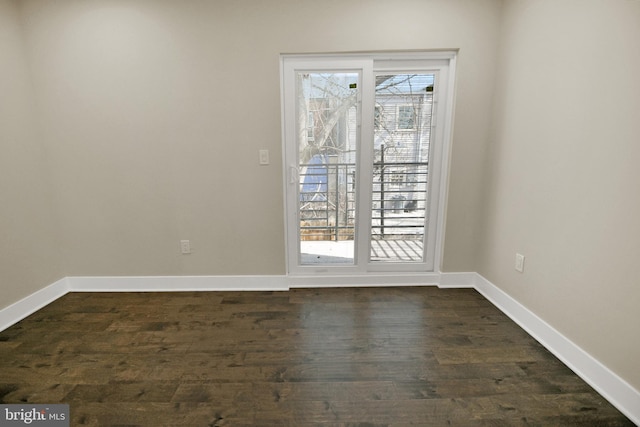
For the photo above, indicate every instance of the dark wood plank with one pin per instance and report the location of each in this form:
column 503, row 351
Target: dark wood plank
column 346, row 357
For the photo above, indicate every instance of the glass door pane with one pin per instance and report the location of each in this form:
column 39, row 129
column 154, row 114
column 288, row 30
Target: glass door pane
column 400, row 197
column 327, row 132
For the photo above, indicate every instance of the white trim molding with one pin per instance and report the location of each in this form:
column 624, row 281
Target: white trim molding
column 177, row 283
column 244, row 283
column 457, row 280
column 613, row 388
column 364, row 280
column 28, row 305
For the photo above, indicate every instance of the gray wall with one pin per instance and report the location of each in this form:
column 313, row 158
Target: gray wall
column 154, row 112
column 29, row 254
column 563, row 184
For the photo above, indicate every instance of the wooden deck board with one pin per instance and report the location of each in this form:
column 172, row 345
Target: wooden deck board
column 396, row 250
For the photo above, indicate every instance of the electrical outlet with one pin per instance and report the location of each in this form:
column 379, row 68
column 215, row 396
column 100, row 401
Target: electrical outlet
column 185, row 246
column 520, row 263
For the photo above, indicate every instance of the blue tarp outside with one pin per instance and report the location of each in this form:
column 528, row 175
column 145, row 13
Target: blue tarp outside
column 314, row 185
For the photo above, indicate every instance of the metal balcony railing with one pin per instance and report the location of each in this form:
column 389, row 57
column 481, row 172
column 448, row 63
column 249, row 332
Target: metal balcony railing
column 327, row 201
column 399, row 200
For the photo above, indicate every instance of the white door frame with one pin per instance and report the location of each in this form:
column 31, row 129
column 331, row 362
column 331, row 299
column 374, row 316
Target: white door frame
column 367, row 64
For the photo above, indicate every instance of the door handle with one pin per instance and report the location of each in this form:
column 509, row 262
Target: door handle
column 293, row 174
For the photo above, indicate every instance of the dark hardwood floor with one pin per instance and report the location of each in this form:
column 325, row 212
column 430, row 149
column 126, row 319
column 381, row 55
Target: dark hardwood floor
column 343, row 357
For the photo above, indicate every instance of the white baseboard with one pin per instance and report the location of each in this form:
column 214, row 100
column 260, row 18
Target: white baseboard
column 607, row 383
column 613, row 388
column 376, row 279
column 243, row 283
column 19, row 310
column 457, row 280
column 177, row 283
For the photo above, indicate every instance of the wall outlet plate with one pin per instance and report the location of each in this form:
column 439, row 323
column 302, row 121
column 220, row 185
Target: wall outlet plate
column 520, row 263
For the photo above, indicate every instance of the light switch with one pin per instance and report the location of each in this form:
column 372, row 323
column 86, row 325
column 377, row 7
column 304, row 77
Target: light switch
column 264, row 157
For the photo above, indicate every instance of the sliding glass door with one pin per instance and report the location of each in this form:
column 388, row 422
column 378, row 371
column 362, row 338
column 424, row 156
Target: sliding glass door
column 327, row 117
column 400, row 181
column 361, row 157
